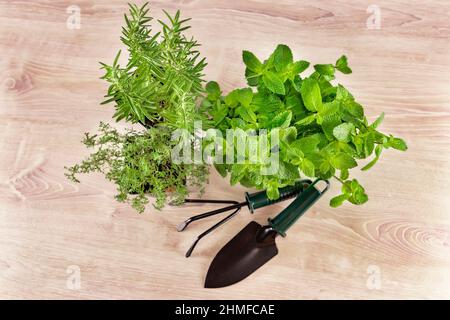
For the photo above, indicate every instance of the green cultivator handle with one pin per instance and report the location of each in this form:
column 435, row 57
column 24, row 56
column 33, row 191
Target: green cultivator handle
column 259, row 199
column 286, row 218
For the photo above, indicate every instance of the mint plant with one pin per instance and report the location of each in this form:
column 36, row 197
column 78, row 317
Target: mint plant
column 157, row 88
column 323, row 130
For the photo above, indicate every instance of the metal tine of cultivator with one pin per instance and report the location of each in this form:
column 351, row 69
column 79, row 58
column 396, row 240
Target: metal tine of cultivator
column 218, row 224
column 235, row 205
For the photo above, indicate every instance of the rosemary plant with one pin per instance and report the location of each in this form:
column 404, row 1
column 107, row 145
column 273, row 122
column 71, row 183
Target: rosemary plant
column 163, row 77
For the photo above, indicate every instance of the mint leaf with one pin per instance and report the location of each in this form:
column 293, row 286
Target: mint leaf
column 237, row 173
column 288, row 134
column 281, row 120
column 378, row 121
column 287, row 171
column 222, row 169
column 213, row 90
column 232, row 98
column 297, row 83
column 369, row 143
column 342, row 65
column 245, row 96
column 396, row 143
column 307, row 167
column 282, row 57
column 311, row 96
column 343, row 161
column 246, row 114
column 354, row 108
column 325, row 69
column 328, row 124
column 237, row 123
column 338, row 200
column 354, row 192
column 343, row 131
column 273, row 82
column 252, row 62
column 299, row 67
column 329, row 108
column 272, row 190
column 377, row 156
column 306, row 120
column 252, row 77
column 344, row 174
column 342, row 93
column 220, row 111
column 308, row 144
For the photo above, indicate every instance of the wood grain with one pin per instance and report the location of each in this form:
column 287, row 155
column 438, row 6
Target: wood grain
column 49, row 96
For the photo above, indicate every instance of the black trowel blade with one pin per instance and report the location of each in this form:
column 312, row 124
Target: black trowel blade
column 252, row 247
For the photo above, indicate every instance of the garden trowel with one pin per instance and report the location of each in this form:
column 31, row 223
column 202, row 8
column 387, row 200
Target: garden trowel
column 254, row 245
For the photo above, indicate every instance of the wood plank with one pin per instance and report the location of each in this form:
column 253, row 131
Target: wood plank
column 50, row 94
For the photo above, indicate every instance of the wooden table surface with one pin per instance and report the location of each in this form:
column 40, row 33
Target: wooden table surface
column 395, row 246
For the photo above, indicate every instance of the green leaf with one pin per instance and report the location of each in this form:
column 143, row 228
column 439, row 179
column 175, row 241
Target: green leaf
column 308, row 144
column 252, row 77
column 343, row 131
column 306, row 120
column 329, row 108
column 296, row 83
column 342, row 94
column 251, row 61
column 377, row 156
column 354, row 191
column 272, row 190
column 299, row 67
column 288, row 134
column 311, row 96
column 344, row 174
column 273, row 82
column 328, row 124
column 222, row 169
column 237, row 173
column 266, row 103
column 354, row 108
column 338, row 200
column 219, row 112
column 325, row 69
column 281, row 120
column 378, row 121
column 246, row 114
column 358, row 194
column 232, row 98
column 342, row 66
column 397, row 143
column 343, row 161
column 369, row 143
column 116, row 59
column 294, row 102
column 307, row 167
column 237, row 123
column 287, row 171
column 282, row 57
column 245, row 96
column 213, row 90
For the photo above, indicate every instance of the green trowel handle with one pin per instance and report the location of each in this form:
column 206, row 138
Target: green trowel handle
column 286, row 218
column 259, row 199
